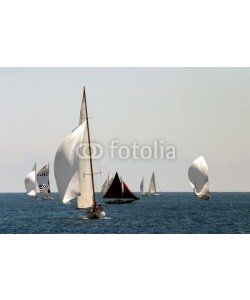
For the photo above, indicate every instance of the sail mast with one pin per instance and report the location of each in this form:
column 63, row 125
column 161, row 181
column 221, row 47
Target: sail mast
column 90, row 153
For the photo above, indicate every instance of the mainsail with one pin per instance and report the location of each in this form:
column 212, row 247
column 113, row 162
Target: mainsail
column 198, row 176
column 87, row 197
column 142, row 187
column 66, row 165
column 119, row 190
column 43, row 180
column 152, row 186
column 30, row 182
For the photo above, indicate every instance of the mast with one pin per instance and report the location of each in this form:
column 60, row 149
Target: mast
column 90, row 153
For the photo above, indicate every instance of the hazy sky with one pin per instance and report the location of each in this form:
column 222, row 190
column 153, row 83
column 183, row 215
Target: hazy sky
column 200, row 111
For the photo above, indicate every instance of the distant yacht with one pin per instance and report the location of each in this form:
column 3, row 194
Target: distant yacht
column 43, row 182
column 30, row 183
column 74, row 170
column 142, row 187
column 118, row 192
column 198, row 177
column 107, row 183
column 152, row 187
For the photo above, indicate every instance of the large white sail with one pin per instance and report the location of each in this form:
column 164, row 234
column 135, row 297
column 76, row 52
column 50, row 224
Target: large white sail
column 43, row 180
column 152, row 186
column 66, row 165
column 87, row 197
column 30, row 182
column 142, row 187
column 198, row 176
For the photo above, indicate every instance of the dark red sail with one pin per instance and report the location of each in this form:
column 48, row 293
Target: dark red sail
column 115, row 189
column 127, row 193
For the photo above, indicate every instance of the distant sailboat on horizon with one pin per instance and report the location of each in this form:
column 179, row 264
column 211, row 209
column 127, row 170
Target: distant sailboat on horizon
column 73, row 169
column 152, row 187
column 107, row 183
column 43, row 182
column 198, row 177
column 142, row 187
column 118, row 192
column 30, row 183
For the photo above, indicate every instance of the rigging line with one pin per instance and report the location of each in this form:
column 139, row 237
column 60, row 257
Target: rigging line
column 97, row 163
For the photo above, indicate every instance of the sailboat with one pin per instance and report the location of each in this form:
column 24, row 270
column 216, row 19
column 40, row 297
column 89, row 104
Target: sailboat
column 152, row 187
column 74, row 170
column 43, row 182
column 107, row 183
column 118, row 192
column 198, row 177
column 142, row 187
column 30, row 183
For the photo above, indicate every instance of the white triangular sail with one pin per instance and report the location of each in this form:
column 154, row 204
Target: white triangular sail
column 198, row 177
column 66, row 165
column 30, row 182
column 107, row 183
column 87, row 197
column 43, row 180
column 142, row 187
column 152, row 185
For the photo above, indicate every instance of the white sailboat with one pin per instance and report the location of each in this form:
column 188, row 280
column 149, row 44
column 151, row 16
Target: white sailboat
column 74, row 171
column 198, row 177
column 152, row 187
column 142, row 187
column 107, row 183
column 43, row 182
column 30, row 183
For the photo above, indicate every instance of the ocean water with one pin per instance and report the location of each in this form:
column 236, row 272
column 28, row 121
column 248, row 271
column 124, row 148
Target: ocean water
column 171, row 213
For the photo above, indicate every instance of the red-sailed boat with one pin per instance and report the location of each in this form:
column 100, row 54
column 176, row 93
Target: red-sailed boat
column 118, row 192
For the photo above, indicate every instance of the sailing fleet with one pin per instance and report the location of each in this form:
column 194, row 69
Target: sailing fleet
column 41, row 179
column 152, row 187
column 74, row 175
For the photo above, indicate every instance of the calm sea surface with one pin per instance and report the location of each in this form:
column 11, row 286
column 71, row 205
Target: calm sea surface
column 170, row 213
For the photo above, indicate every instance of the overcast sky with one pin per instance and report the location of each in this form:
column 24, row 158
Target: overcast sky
column 200, row 111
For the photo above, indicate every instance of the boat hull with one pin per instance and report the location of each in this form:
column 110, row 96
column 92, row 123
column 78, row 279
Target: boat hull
column 205, row 198
column 95, row 214
column 119, row 201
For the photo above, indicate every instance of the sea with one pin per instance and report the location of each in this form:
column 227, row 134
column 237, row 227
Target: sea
column 170, row 213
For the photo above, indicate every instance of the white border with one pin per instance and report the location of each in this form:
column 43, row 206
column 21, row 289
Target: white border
column 124, row 33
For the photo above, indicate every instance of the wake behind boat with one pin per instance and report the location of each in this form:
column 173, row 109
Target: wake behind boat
column 74, row 170
column 198, row 177
column 118, row 192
